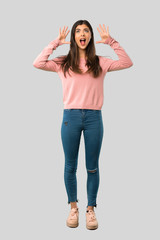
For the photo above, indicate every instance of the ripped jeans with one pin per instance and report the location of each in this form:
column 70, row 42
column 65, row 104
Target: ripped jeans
column 74, row 122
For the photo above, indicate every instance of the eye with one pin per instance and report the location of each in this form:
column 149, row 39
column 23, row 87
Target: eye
column 84, row 30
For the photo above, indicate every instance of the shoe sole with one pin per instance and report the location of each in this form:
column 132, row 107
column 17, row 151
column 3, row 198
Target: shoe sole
column 91, row 228
column 72, row 225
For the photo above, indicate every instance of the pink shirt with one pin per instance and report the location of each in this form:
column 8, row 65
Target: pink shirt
column 82, row 90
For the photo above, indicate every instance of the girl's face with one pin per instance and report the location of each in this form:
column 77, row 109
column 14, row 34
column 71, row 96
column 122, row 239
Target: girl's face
column 82, row 36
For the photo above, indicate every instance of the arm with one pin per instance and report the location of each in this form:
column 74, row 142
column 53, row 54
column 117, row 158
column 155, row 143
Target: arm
column 124, row 60
column 42, row 62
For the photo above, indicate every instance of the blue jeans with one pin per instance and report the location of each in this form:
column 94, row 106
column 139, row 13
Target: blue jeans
column 74, row 122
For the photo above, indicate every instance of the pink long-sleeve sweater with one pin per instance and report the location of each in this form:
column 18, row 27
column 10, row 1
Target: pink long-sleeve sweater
column 83, row 91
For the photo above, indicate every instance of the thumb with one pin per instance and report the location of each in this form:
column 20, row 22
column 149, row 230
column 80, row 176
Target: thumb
column 99, row 42
column 67, row 42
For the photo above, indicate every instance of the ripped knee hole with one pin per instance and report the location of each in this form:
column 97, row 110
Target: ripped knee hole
column 92, row 171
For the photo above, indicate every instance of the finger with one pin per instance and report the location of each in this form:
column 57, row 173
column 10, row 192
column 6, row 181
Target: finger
column 67, row 33
column 108, row 29
column 99, row 31
column 66, row 29
column 63, row 29
column 104, row 28
column 98, row 41
column 101, row 27
column 67, row 42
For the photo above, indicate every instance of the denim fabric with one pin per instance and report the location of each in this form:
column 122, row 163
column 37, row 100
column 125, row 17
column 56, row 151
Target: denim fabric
column 74, row 122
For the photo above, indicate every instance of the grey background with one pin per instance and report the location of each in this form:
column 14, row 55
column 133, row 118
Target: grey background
column 33, row 201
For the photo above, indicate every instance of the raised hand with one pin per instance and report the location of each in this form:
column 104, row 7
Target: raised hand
column 63, row 34
column 103, row 33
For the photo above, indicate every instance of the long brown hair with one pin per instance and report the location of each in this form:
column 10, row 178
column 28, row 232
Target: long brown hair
column 71, row 60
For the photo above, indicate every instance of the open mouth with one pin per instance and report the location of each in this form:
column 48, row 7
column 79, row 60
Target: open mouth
column 82, row 41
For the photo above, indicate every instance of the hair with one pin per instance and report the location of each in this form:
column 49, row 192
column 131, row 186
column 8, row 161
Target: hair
column 71, row 60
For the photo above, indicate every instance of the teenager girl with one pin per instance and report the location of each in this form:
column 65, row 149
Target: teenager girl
column 82, row 73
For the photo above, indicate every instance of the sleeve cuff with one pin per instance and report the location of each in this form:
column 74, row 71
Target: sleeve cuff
column 55, row 43
column 109, row 40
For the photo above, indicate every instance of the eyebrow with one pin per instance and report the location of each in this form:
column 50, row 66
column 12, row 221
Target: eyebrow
column 80, row 29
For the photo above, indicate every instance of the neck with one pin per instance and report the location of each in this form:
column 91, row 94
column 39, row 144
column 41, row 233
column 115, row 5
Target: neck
column 82, row 53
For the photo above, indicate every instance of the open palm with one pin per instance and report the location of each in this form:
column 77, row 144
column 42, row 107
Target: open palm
column 103, row 33
column 63, row 34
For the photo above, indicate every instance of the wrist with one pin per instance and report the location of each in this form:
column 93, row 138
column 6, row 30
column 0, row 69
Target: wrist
column 56, row 43
column 108, row 40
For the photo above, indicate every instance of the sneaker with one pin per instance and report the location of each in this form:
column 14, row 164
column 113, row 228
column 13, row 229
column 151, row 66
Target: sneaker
column 73, row 218
column 91, row 221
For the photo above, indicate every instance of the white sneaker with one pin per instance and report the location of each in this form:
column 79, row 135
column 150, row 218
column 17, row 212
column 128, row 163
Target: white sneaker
column 91, row 221
column 73, row 218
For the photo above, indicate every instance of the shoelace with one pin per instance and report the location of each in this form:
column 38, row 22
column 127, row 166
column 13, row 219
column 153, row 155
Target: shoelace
column 91, row 216
column 73, row 213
